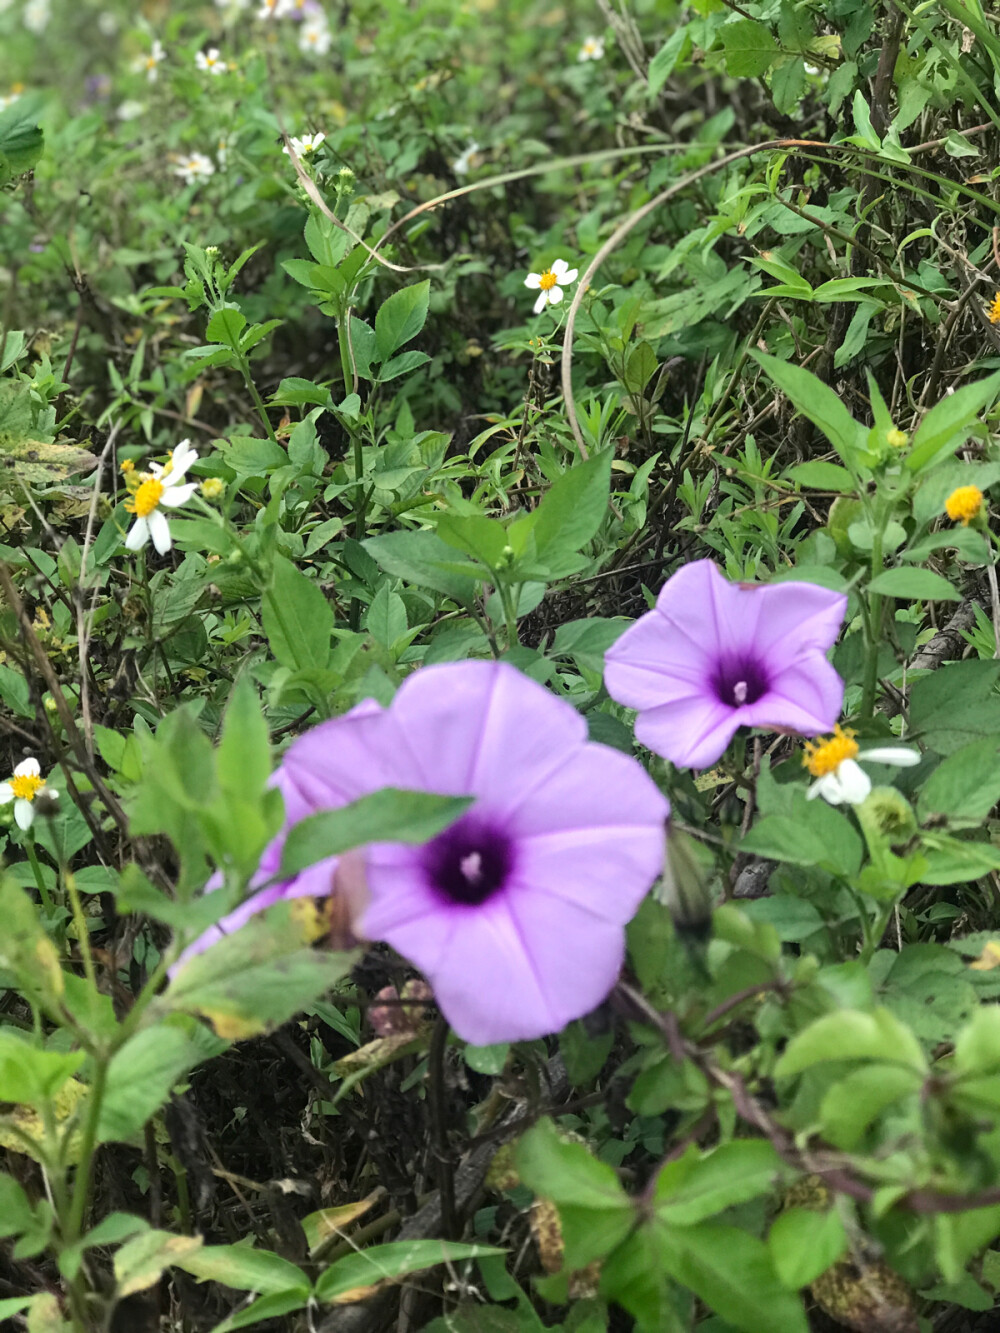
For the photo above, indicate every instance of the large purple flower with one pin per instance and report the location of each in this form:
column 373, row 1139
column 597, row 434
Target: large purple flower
column 713, row 656
column 516, row 913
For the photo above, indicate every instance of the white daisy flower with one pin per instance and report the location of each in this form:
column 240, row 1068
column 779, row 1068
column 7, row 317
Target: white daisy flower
column 161, row 488
column 272, row 9
column 130, row 110
column 306, row 145
column 315, row 36
column 592, row 49
column 836, row 766
column 549, row 284
column 10, row 98
column 464, row 163
column 22, row 789
column 194, row 168
column 36, row 15
column 149, row 63
column 210, row 61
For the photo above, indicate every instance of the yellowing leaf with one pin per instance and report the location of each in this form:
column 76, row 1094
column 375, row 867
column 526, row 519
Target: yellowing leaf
column 989, row 958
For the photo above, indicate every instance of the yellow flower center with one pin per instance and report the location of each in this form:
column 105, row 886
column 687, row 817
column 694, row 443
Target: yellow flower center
column 964, row 504
column 147, row 497
column 995, row 310
column 823, row 757
column 151, row 62
column 547, row 281
column 26, row 786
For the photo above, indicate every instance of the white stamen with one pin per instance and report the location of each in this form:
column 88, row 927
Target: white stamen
column 740, row 692
column 471, row 867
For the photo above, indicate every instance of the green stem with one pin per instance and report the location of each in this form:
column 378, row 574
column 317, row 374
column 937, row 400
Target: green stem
column 36, row 869
column 509, row 605
column 73, row 1227
column 82, row 931
column 257, row 400
column 870, row 683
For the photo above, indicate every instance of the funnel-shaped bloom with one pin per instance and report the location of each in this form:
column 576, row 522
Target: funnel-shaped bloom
column 516, row 913
column 713, row 656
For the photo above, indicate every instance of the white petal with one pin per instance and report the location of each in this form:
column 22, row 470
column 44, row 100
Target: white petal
column 855, row 784
column 554, row 295
column 900, row 756
column 564, row 279
column 28, row 768
column 24, row 814
column 559, row 267
column 159, row 530
column 533, row 280
column 828, row 787
column 178, row 495
column 6, row 793
column 138, row 535
column 541, row 302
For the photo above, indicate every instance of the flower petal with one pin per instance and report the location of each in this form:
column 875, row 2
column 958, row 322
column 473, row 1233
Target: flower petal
column 564, row 279
column 533, row 280
column 159, row 530
column 805, row 698
column 559, row 267
column 854, row 782
column 555, row 295
column 899, row 756
column 173, row 496
column 138, row 535
column 24, row 814
column 6, row 793
column 541, row 302
column 691, row 733
column 28, row 768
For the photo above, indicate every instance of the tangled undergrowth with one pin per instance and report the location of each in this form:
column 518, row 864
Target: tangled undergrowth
column 498, row 666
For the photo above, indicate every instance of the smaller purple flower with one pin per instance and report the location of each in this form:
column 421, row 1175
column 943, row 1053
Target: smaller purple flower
column 714, row 656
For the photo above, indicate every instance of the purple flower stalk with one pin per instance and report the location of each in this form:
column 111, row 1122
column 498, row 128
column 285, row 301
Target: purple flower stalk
column 713, row 656
column 515, row 913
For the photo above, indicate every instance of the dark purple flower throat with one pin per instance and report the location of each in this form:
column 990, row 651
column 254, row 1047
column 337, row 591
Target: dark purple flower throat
column 740, row 681
column 469, row 862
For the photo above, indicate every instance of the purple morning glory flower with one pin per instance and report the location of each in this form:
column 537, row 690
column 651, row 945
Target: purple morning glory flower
column 713, row 656
column 516, row 913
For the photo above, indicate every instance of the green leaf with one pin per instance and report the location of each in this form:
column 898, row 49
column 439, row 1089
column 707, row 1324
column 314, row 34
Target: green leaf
column 854, row 1101
column 245, row 1269
column 808, row 833
column 225, row 327
column 966, row 785
column 386, row 618
column 140, row 1079
column 956, row 705
column 31, row 1076
column 21, row 140
column 922, row 584
column 485, row 539
column 946, row 426
column 243, row 759
column 817, row 401
column 354, row 1276
column 665, row 61
column 732, row 1272
column 822, row 476
column 250, row 457
column 16, row 1212
column 595, row 1211
column 569, row 515
column 256, row 979
column 401, row 318
column 389, row 815
column 265, row 1307
column 297, row 618
column 804, row 1243
column 697, row 1185
column 750, row 48
column 850, row 1034
column 423, row 558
